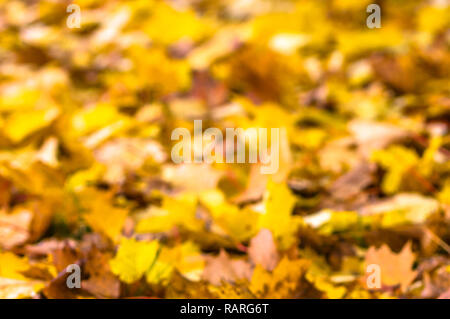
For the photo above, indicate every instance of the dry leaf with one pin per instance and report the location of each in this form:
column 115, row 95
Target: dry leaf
column 263, row 251
column 396, row 269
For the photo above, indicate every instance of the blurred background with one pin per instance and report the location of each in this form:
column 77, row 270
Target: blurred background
column 88, row 102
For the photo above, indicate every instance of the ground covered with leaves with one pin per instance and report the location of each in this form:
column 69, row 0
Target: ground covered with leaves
column 86, row 176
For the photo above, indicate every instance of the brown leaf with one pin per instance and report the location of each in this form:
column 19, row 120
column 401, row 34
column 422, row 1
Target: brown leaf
column 351, row 183
column 47, row 246
column 57, row 288
column 42, row 214
column 223, row 268
column 101, row 283
column 65, row 256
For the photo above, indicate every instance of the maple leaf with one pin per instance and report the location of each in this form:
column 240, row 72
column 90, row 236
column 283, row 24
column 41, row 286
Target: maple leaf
column 396, row 269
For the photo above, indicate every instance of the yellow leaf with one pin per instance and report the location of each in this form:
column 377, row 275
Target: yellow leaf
column 134, row 258
column 279, row 203
column 186, row 258
column 21, row 124
column 12, row 266
column 282, row 282
column 177, row 25
column 179, row 211
column 106, row 219
column 87, row 120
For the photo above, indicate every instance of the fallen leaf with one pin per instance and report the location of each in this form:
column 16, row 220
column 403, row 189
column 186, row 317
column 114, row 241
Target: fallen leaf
column 396, row 269
column 223, row 268
column 263, row 251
